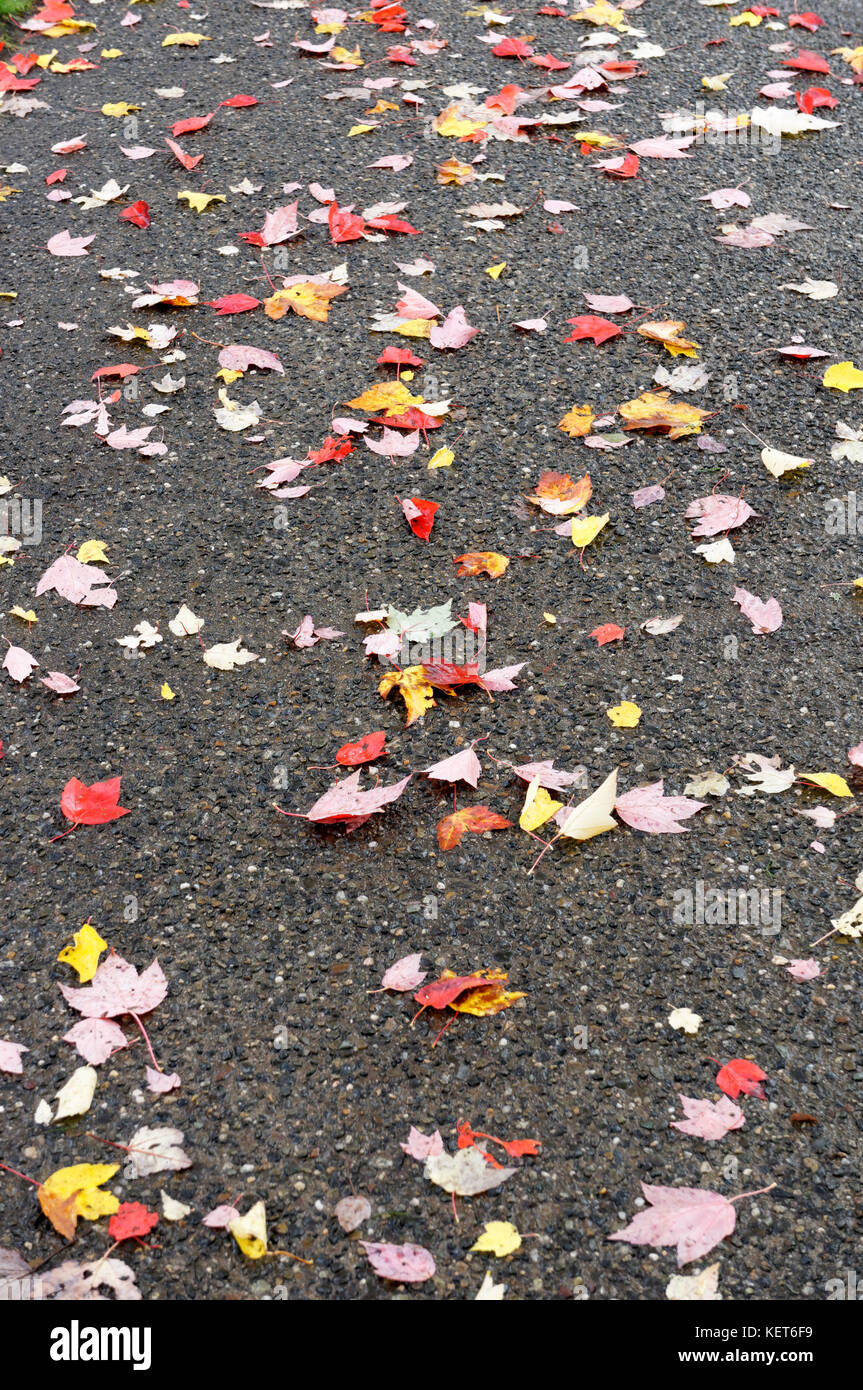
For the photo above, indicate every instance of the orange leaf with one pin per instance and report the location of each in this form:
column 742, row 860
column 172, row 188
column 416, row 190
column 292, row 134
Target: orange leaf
column 475, row 818
column 482, row 562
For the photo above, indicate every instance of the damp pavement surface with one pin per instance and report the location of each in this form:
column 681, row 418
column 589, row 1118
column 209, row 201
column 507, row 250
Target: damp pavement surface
column 298, row 1082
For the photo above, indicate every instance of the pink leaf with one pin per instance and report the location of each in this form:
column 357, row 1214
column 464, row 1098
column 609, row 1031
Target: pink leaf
column 405, row 974
column 395, row 443
column 10, row 1057
column 502, row 678
column 531, row 325
column 454, row 332
column 159, row 1083
column 764, row 616
column 396, row 162
column 558, row 205
column 117, row 988
column 555, row 779
column 415, row 306
column 19, row 663
column 220, row 1218
column 240, row 357
column 128, row 439
column 64, row 244
column 460, row 767
column 96, row 1039
column 804, row 969
column 77, row 582
column 405, row 1264
column 719, row 512
column 692, row 1218
column 422, row 1146
column 647, row 495
column 280, row 225
column 663, row 147
column 746, row 238
column 726, row 198
column 648, row 809
column 609, row 303
column 60, row 684
column 855, row 755
column 351, row 1212
column 707, row 1119
column 344, row 800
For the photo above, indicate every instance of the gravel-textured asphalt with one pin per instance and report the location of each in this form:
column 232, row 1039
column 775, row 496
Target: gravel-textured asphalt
column 271, row 931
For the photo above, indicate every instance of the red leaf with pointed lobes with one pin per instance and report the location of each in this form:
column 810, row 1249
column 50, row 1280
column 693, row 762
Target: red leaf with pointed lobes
column 441, row 993
column 132, row 1219
column 188, row 161
column 739, row 1075
column 512, row 48
column 122, row 370
column 474, row 818
column 814, row 97
column 398, row 357
column 137, row 213
column 607, row 632
column 240, row 100
column 344, row 226
column 93, row 805
column 233, row 304
column 419, row 515
column 191, row 124
column 367, row 748
column 390, row 223
column 590, row 326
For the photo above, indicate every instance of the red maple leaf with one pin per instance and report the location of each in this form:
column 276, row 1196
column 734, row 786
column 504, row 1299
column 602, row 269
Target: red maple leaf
column 390, row 223
column 191, row 124
column 240, row 100
column 815, row 96
column 739, row 1075
column 367, row 748
column 130, row 1220
column 512, row 48
column 590, row 326
column 475, row 818
column 419, row 515
column 93, row 805
column 440, row 993
column 607, row 632
column 331, row 451
column 398, row 357
column 233, row 304
column 344, row 226
column 137, row 213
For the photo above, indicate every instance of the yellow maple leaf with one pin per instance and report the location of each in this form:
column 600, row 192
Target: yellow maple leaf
column 499, row 1238
column 601, row 13
column 653, row 410
column 229, row 374
column 717, row 83
column 452, row 124
column 667, row 332
column 495, row 271
column 26, row 616
column 753, row 20
column 414, row 689
column 381, row 106
column 829, row 782
column 598, row 139
column 625, row 715
column 361, row 129
column 539, row 806
column 250, row 1231
column 92, row 552
column 186, row 40
column 441, row 458
column 577, row 421
column 118, row 108
column 487, row 999
column 586, row 529
column 390, row 396
column 347, row 55
column 199, row 202
column 112, row 53
column 6, row 191
column 166, row 692
column 453, row 171
column 308, row 299
column 82, row 1182
column 843, row 376
column 414, row 328
column 83, row 955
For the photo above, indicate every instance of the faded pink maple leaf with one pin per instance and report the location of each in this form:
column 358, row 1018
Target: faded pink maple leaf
column 64, row 244
column 395, row 443
column 351, row 1212
column 280, row 224
column 307, row 635
column 648, row 809
column 345, row 801
column 405, row 974
column 239, row 357
column 531, row 325
column 96, row 1039
column 664, row 147
column 77, row 582
column 764, row 615
column 746, row 238
column 405, row 1264
column 10, row 1057
column 117, row 988
column 59, row 683
column 460, row 767
column 502, row 678
column 554, row 779
column 415, row 306
column 220, row 1218
column 719, row 512
column 455, row 331
column 422, row 1146
column 726, row 198
column 646, row 495
column 19, row 663
column 396, row 162
column 855, row 755
column 609, row 303
column 128, row 439
column 707, row 1119
column 692, row 1218
column 803, row 970
column 160, row 1082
